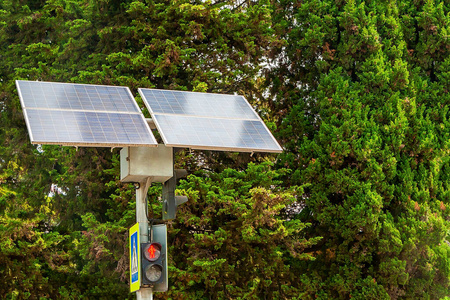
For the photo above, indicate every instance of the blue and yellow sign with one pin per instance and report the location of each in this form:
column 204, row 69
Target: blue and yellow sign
column 135, row 258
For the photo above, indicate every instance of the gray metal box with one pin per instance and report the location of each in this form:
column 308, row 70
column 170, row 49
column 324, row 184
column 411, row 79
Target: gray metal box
column 139, row 163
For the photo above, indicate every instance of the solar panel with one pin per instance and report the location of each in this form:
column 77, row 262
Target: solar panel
column 208, row 121
column 86, row 128
column 198, row 104
column 38, row 94
column 82, row 115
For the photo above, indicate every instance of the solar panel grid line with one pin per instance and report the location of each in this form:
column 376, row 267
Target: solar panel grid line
column 272, row 138
column 66, row 125
column 93, row 121
column 205, row 117
column 81, row 110
column 108, row 132
column 130, row 130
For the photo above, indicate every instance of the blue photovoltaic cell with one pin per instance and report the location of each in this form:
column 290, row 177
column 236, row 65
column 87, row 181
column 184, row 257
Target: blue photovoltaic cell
column 208, row 121
column 86, row 128
column 198, row 104
column 210, row 133
column 83, row 115
column 52, row 95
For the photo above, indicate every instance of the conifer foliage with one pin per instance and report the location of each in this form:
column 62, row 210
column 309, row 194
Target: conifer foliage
column 357, row 93
column 370, row 137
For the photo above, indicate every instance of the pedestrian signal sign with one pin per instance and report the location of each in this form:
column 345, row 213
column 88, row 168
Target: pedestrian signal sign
column 135, row 257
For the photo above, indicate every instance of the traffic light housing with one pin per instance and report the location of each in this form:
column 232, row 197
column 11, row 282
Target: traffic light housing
column 152, row 263
column 170, row 201
column 154, row 260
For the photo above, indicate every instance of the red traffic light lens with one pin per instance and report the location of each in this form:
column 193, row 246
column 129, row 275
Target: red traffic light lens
column 153, row 251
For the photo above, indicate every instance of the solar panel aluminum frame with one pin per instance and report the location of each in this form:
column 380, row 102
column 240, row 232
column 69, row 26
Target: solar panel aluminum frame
column 205, row 147
column 138, row 113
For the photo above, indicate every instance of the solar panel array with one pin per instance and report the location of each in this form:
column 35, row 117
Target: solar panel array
column 98, row 115
column 83, row 115
column 208, row 121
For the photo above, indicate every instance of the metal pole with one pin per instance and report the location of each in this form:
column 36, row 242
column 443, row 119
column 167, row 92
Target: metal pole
column 146, row 294
column 141, row 218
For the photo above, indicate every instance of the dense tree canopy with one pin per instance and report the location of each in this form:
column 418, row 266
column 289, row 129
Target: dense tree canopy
column 357, row 205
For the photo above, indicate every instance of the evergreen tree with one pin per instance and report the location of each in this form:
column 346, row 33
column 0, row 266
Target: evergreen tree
column 64, row 213
column 356, row 206
column 367, row 131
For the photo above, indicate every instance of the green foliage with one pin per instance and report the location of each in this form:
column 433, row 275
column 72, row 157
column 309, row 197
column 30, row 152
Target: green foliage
column 373, row 146
column 235, row 239
column 64, row 214
column 355, row 207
